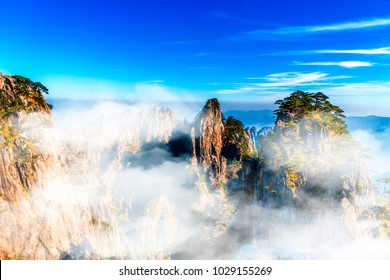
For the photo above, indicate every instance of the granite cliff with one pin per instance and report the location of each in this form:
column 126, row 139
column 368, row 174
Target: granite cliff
column 29, row 146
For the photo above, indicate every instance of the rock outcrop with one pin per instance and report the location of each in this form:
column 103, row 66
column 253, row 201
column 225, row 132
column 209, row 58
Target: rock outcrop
column 208, row 139
column 29, row 146
column 30, row 158
column 255, row 135
column 220, row 146
column 311, row 164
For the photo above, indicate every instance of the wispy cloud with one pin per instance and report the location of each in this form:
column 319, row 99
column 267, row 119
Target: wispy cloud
column 153, row 82
column 375, row 51
column 333, row 27
column 364, row 88
column 291, row 79
column 280, row 81
column 345, row 64
column 384, row 50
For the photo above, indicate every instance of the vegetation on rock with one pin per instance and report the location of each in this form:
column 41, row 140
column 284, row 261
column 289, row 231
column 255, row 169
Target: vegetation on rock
column 315, row 108
column 236, row 141
column 19, row 96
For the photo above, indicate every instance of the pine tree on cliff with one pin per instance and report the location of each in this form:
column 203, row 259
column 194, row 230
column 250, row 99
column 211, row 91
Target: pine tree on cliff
column 310, row 162
column 20, row 156
column 300, row 105
column 18, row 93
column 236, row 140
column 309, row 131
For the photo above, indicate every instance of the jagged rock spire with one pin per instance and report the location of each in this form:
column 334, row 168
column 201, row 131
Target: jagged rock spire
column 208, row 131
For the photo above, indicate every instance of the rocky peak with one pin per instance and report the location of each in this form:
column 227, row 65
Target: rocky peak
column 220, row 146
column 24, row 150
column 255, row 135
column 309, row 161
column 18, row 93
column 160, row 123
column 208, row 132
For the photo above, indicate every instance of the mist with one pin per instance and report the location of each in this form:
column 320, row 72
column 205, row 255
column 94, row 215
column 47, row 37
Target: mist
column 96, row 201
column 377, row 149
column 116, row 190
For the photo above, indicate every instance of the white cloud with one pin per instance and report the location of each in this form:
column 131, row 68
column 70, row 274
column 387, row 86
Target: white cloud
column 150, row 91
column 153, row 82
column 291, row 78
column 348, row 25
column 237, row 90
column 375, row 51
column 90, row 91
column 334, row 27
column 384, row 50
column 345, row 64
column 365, row 88
column 280, row 81
column 369, row 98
column 360, row 98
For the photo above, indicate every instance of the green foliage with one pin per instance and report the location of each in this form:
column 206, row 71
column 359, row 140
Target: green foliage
column 234, row 130
column 360, row 186
column 20, row 80
column 236, row 136
column 10, row 106
column 26, row 96
column 345, row 177
column 232, row 170
column 273, row 154
column 21, row 94
column 10, row 134
column 310, row 141
column 300, row 105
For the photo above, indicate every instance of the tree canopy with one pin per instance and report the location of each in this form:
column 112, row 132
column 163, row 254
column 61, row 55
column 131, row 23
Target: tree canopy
column 300, row 105
column 24, row 95
column 27, row 81
column 235, row 139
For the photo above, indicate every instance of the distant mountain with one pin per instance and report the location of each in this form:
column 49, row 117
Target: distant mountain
column 373, row 124
column 251, row 118
column 261, row 118
column 379, row 127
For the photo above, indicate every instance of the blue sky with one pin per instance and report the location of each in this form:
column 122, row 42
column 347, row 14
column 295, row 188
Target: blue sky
column 246, row 53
